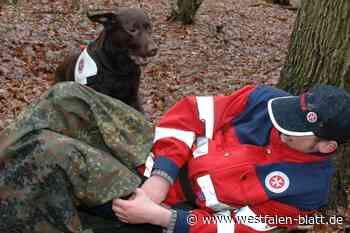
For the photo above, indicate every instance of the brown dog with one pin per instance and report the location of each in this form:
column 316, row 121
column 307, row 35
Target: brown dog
column 111, row 64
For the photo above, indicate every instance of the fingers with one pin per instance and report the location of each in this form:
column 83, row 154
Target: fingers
column 123, row 209
column 119, row 211
column 121, row 203
column 122, row 218
column 125, row 220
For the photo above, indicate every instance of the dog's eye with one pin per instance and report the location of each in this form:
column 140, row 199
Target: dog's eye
column 147, row 27
column 132, row 30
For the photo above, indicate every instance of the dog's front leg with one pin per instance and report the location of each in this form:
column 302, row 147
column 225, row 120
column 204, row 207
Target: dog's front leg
column 135, row 103
column 134, row 99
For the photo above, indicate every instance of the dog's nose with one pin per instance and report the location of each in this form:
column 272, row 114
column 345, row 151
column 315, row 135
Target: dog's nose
column 153, row 51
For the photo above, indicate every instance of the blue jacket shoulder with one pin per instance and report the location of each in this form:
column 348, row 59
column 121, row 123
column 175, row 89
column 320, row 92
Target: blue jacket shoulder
column 253, row 125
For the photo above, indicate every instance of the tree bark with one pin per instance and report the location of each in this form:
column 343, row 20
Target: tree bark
column 320, row 53
column 320, row 48
column 184, row 10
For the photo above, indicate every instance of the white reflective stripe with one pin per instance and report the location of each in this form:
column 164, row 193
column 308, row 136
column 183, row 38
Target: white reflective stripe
column 245, row 213
column 205, row 105
column 84, row 67
column 185, row 136
column 225, row 224
column 202, row 147
column 211, row 201
column 149, row 166
column 208, row 190
column 278, row 127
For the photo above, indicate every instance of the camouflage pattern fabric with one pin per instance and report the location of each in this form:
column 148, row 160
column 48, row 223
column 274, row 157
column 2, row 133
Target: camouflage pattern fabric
column 73, row 147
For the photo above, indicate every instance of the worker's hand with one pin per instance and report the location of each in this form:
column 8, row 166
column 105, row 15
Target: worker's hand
column 141, row 209
column 156, row 188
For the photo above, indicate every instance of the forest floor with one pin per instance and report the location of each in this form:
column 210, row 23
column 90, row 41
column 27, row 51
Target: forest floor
column 250, row 48
column 231, row 44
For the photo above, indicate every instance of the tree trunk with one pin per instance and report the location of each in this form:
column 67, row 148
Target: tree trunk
column 184, row 10
column 320, row 53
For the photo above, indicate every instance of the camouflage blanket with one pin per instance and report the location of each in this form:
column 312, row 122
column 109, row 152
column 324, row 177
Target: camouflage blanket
column 72, row 147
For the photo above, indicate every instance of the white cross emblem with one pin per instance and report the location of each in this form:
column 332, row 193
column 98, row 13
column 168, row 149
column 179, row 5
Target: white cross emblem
column 277, row 182
column 311, row 117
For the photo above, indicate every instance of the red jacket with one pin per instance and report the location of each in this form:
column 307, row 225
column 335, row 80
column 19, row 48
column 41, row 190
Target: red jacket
column 238, row 167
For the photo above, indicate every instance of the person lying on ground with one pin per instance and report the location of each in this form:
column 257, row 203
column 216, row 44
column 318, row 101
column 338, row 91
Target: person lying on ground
column 260, row 157
column 257, row 152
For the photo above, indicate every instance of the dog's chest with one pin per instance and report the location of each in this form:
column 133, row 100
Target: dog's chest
column 85, row 68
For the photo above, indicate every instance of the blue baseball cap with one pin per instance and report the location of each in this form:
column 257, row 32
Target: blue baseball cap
column 324, row 111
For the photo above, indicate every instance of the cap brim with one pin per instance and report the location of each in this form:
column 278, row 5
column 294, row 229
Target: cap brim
column 286, row 116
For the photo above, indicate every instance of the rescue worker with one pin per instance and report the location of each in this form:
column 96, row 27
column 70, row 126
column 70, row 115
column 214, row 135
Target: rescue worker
column 260, row 157
column 257, row 152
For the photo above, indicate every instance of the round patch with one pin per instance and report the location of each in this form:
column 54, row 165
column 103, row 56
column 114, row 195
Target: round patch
column 277, row 182
column 311, row 117
column 81, row 66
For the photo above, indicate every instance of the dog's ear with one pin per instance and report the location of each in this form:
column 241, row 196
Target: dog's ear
column 106, row 19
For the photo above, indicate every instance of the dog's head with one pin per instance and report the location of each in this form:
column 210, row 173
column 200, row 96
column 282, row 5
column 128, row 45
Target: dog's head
column 130, row 29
